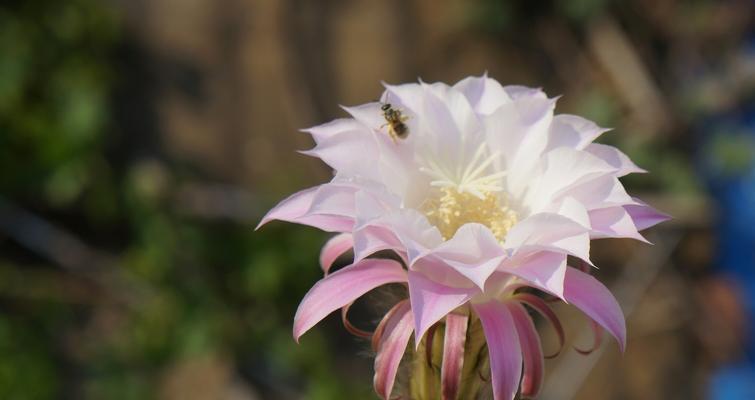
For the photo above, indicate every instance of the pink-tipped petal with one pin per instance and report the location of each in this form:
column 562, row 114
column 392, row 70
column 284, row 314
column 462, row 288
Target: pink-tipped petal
column 473, row 252
column 343, row 287
column 645, row 216
column 616, row 158
column 378, row 334
column 589, row 295
column 602, row 192
column 395, row 336
column 406, row 231
column 291, row 207
column 334, row 199
column 334, row 248
column 503, row 348
column 613, row 222
column 532, row 352
column 431, row 301
column 371, row 239
column 453, row 354
column 549, row 231
column 544, row 309
column 543, row 269
column 306, row 208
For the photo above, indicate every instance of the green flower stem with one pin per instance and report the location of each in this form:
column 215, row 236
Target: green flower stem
column 424, row 381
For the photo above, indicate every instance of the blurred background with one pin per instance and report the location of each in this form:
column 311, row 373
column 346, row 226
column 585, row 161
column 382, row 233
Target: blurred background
column 142, row 140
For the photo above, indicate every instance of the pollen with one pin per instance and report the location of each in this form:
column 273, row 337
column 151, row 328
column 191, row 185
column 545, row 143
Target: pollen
column 450, row 208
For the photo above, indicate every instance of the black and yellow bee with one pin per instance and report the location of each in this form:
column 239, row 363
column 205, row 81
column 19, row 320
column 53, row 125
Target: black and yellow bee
column 395, row 122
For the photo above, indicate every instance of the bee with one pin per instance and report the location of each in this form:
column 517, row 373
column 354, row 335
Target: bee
column 395, row 122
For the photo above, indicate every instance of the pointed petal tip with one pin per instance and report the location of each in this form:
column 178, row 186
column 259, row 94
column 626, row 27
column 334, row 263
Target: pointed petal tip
column 296, row 332
column 343, row 287
column 262, row 222
column 597, row 302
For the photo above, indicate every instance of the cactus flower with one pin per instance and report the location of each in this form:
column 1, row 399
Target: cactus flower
column 482, row 199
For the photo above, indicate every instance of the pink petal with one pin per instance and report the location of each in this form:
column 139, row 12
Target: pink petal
column 334, row 248
column 544, row 309
column 473, row 252
column 544, row 270
column 329, row 207
column 431, row 301
column 595, row 300
column 453, row 354
column 343, row 287
column 645, row 216
column 613, row 222
column 615, row 157
column 395, row 336
column 532, row 352
column 371, row 239
column 291, row 207
column 503, row 348
column 405, row 230
column 377, row 335
column 549, row 231
column 334, row 199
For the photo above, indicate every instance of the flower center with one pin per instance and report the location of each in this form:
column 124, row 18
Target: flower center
column 468, row 190
column 450, row 209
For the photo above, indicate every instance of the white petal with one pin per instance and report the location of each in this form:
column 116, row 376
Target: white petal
column 573, row 131
column 615, row 157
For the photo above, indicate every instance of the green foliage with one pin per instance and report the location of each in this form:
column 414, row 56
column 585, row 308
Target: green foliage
column 27, row 365
column 53, row 92
column 182, row 287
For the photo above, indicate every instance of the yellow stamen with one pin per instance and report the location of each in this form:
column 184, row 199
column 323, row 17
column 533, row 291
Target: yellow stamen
column 450, row 208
